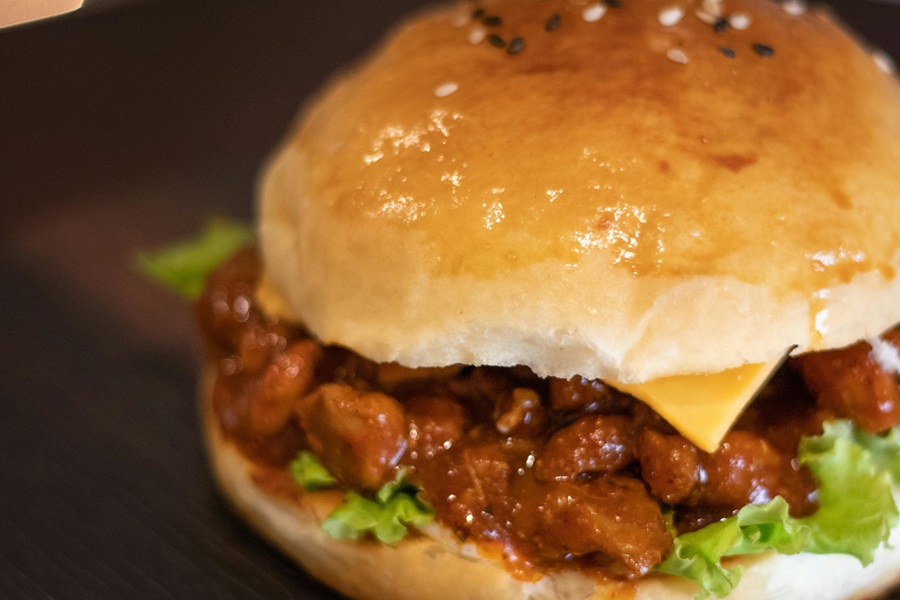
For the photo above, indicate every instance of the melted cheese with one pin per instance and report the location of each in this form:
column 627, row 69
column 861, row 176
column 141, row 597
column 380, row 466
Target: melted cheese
column 703, row 407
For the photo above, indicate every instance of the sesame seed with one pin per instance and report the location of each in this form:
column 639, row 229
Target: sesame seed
column 553, row 22
column 477, row 13
column 764, row 50
column 496, row 41
column 445, row 89
column 677, row 55
column 476, row 36
column 614, row 3
column 516, row 45
column 884, row 62
column 727, row 51
column 492, row 21
column 705, row 16
column 795, row 8
column 713, row 7
column 720, row 25
column 593, row 12
column 671, row 16
column 740, row 21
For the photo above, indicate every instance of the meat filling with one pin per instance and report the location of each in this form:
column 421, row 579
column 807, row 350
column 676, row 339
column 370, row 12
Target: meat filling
column 548, row 472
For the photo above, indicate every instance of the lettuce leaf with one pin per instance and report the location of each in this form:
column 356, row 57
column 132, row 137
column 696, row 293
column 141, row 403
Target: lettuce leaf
column 769, row 526
column 185, row 265
column 396, row 505
column 855, row 515
column 884, row 448
column 310, row 474
column 697, row 556
column 386, row 516
column 856, row 508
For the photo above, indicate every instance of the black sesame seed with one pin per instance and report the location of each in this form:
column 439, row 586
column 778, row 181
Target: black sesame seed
column 720, row 25
column 496, row 41
column 614, row 3
column 729, row 52
column 492, row 21
column 763, row 50
column 516, row 45
column 477, row 13
column 553, row 22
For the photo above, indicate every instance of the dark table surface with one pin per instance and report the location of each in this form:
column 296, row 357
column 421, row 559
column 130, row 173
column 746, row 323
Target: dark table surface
column 122, row 126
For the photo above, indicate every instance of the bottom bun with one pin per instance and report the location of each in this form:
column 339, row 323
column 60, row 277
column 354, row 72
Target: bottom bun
column 433, row 564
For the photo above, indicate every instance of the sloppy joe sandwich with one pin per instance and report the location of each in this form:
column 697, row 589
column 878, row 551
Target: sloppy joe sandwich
column 575, row 300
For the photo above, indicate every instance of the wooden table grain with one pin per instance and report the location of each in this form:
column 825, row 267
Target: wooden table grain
column 124, row 126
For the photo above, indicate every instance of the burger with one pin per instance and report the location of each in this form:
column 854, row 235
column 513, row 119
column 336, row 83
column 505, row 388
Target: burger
column 557, row 299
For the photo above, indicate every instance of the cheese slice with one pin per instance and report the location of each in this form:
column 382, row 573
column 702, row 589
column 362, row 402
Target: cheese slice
column 703, row 407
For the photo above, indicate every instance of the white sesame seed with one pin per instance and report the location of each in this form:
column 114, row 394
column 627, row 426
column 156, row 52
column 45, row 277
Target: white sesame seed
column 671, row 16
column 477, row 35
column 593, row 12
column 884, row 62
column 740, row 21
column 445, row 89
column 713, row 7
column 677, row 55
column 795, row 8
column 705, row 16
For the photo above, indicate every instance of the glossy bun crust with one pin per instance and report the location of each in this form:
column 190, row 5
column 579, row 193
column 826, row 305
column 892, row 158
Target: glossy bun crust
column 437, row 567
column 592, row 204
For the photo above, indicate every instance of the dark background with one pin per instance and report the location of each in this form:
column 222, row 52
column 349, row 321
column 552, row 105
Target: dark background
column 123, row 126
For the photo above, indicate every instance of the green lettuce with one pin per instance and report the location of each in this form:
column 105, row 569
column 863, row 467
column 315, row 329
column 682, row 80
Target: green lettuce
column 697, row 555
column 185, row 265
column 884, row 448
column 396, row 504
column 310, row 474
column 856, row 508
column 856, row 512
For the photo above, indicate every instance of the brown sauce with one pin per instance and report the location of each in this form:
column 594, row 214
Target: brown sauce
column 546, row 473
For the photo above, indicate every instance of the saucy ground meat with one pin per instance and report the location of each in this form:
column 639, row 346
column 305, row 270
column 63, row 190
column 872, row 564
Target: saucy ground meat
column 358, row 435
column 598, row 444
column 551, row 472
column 854, row 385
column 671, row 466
column 612, row 516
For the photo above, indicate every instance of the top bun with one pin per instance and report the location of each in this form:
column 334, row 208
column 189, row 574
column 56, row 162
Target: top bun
column 617, row 199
